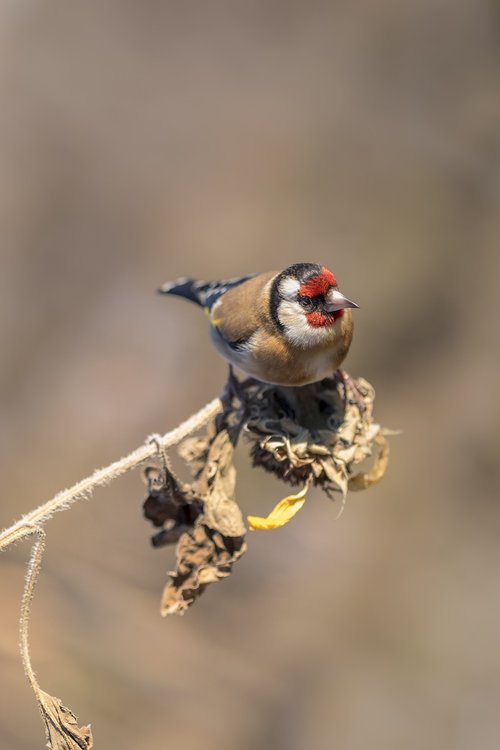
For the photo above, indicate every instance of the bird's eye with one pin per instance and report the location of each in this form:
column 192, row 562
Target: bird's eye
column 306, row 302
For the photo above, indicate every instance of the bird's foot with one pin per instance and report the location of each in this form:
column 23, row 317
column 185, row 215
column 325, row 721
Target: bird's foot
column 232, row 390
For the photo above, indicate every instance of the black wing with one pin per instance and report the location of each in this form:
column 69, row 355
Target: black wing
column 203, row 293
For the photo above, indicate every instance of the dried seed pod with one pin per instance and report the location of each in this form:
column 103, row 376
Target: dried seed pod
column 327, row 432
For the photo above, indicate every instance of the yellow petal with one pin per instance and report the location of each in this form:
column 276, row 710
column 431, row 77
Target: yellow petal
column 281, row 513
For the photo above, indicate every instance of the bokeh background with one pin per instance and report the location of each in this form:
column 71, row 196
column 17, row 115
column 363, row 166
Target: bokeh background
column 144, row 140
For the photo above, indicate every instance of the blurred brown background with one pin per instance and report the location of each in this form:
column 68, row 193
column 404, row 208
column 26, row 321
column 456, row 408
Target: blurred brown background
column 144, row 140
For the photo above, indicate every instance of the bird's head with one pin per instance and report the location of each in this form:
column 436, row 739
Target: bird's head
column 306, row 304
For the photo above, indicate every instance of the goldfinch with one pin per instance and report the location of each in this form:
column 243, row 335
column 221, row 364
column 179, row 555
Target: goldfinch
column 288, row 328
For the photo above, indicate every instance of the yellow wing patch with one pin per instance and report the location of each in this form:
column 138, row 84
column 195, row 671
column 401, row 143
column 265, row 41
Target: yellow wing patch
column 212, row 320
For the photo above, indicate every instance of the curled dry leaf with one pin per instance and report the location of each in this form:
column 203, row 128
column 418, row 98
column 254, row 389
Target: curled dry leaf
column 170, row 504
column 363, row 480
column 209, row 522
column 217, row 485
column 63, row 732
column 203, row 556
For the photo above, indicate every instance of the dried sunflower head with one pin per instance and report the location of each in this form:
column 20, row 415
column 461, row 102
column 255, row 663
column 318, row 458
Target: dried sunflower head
column 317, row 434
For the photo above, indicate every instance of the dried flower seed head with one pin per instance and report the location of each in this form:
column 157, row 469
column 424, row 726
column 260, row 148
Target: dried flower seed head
column 319, row 433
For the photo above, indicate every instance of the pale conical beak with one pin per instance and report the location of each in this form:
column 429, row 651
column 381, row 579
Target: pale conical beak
column 335, row 300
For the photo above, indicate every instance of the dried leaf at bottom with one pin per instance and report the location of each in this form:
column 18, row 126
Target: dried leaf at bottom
column 63, row 732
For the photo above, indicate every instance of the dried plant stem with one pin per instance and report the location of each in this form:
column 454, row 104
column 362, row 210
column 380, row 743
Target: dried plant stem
column 29, row 589
column 30, row 523
column 61, row 728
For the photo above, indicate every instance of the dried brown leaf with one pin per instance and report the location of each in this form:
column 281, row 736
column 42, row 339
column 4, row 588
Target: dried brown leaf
column 63, row 732
column 218, row 482
column 363, row 480
column 194, row 451
column 203, row 556
column 206, row 551
column 170, row 504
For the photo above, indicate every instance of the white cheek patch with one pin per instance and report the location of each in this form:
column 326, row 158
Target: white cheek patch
column 289, row 288
column 297, row 329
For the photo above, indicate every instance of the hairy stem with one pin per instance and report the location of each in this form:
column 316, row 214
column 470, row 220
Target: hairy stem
column 31, row 521
column 29, row 589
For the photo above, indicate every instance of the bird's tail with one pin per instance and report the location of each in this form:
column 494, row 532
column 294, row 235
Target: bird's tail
column 188, row 288
column 203, row 293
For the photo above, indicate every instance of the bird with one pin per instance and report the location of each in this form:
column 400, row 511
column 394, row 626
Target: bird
column 287, row 328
